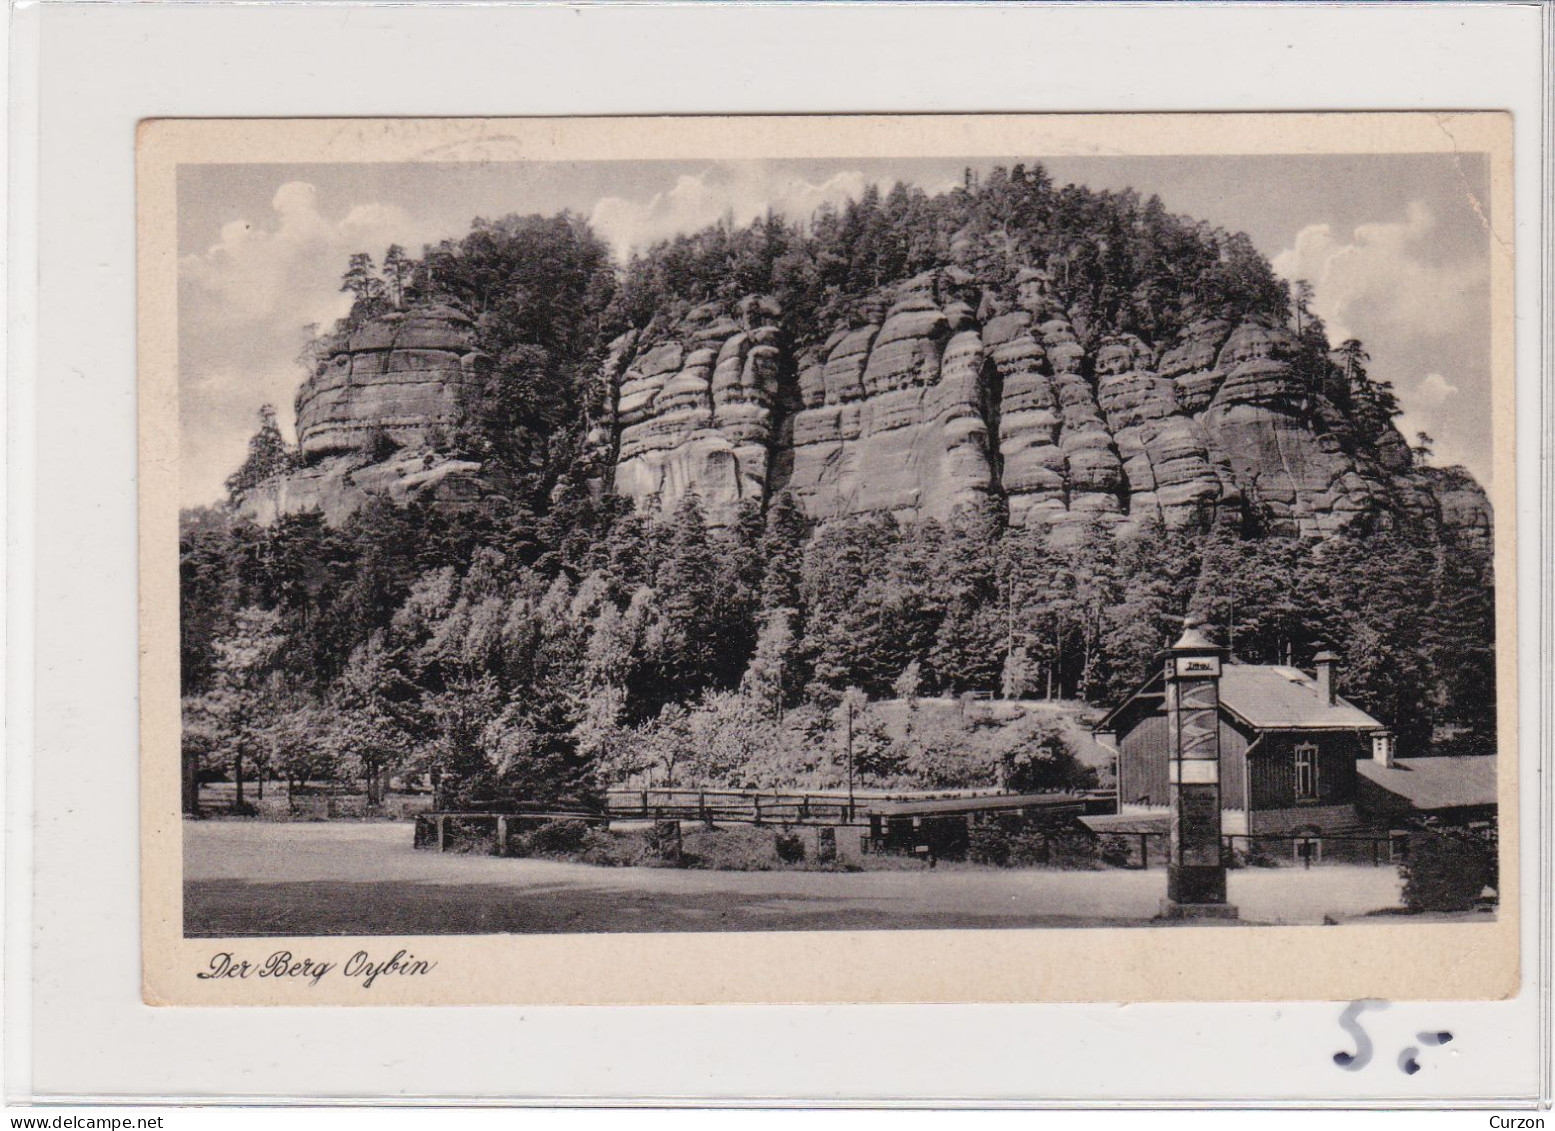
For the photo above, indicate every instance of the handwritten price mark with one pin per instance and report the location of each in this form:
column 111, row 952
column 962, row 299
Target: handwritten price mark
column 1408, row 1058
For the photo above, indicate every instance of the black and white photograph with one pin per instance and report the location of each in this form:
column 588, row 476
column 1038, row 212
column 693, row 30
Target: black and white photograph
column 1051, row 538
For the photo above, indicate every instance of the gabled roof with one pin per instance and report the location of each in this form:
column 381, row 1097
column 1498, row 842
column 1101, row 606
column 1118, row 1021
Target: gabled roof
column 1267, row 697
column 1281, row 698
column 1436, row 783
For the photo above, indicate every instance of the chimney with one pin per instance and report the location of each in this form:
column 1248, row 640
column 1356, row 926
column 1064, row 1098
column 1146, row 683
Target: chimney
column 1326, row 691
column 1383, row 748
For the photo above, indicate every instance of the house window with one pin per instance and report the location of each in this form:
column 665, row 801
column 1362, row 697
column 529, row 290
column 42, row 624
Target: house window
column 1306, row 772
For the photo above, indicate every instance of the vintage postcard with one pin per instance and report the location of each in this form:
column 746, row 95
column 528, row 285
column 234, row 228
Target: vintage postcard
column 917, row 559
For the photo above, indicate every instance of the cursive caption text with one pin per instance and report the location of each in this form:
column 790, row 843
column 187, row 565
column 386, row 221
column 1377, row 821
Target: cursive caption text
column 360, row 967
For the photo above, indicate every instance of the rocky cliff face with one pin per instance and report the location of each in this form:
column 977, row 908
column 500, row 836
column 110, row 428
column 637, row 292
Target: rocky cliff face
column 694, row 411
column 941, row 393
column 938, row 393
column 375, row 416
column 893, row 413
column 1461, row 503
column 407, row 375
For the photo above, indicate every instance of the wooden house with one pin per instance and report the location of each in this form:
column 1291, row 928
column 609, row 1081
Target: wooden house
column 1289, row 745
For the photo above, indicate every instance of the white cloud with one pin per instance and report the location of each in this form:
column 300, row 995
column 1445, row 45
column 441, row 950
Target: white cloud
column 242, row 305
column 1384, row 272
column 1447, row 448
column 1435, row 389
column 1419, row 310
column 1432, row 405
column 741, row 191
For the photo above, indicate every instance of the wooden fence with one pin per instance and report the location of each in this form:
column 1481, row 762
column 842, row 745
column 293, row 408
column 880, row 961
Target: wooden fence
column 740, row 807
column 311, row 802
column 1142, row 850
column 777, row 807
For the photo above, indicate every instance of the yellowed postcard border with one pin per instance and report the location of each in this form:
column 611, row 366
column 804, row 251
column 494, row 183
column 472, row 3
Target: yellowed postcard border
column 1407, row 960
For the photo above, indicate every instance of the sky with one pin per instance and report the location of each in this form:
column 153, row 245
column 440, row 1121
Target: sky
column 1395, row 246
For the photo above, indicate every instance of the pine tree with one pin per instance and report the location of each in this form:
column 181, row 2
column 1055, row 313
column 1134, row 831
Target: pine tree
column 782, row 554
column 398, row 272
column 268, row 456
column 909, row 684
column 686, row 584
column 1459, row 641
column 770, row 677
column 362, row 282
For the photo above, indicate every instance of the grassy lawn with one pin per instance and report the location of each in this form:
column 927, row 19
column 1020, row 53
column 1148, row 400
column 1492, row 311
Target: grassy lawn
column 257, row 878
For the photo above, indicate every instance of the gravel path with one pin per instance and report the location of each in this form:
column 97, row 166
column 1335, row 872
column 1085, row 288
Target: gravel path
column 251, row 878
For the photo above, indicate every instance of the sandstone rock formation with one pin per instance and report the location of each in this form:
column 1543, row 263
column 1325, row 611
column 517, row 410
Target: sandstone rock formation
column 893, row 413
column 1295, row 471
column 374, row 418
column 338, row 486
column 888, row 414
column 939, row 394
column 693, row 411
column 1462, row 504
column 408, row 374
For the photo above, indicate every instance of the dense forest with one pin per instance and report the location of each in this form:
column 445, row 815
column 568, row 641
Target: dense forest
column 555, row 639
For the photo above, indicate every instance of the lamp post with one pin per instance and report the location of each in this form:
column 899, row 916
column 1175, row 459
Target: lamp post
column 850, row 754
column 1196, row 871
column 846, row 709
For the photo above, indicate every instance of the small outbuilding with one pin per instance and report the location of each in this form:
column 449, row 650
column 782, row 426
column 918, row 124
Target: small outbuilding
column 1453, row 791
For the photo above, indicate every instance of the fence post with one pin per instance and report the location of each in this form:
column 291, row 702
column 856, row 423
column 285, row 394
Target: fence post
column 500, row 847
column 756, row 801
column 441, row 832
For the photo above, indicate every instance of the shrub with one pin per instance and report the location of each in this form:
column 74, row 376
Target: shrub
column 468, row 837
column 1117, row 851
column 1446, row 873
column 789, row 848
column 1025, row 846
column 1073, row 851
column 615, row 850
column 1040, row 759
column 988, row 844
column 554, row 838
column 1006, row 846
column 664, row 841
column 734, row 849
column 577, row 841
column 1255, row 854
column 739, row 848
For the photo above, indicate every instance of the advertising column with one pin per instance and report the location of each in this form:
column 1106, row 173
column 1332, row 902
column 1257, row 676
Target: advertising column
column 1196, row 872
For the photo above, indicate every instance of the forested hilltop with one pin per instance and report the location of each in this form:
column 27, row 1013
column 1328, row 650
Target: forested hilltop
column 552, row 523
